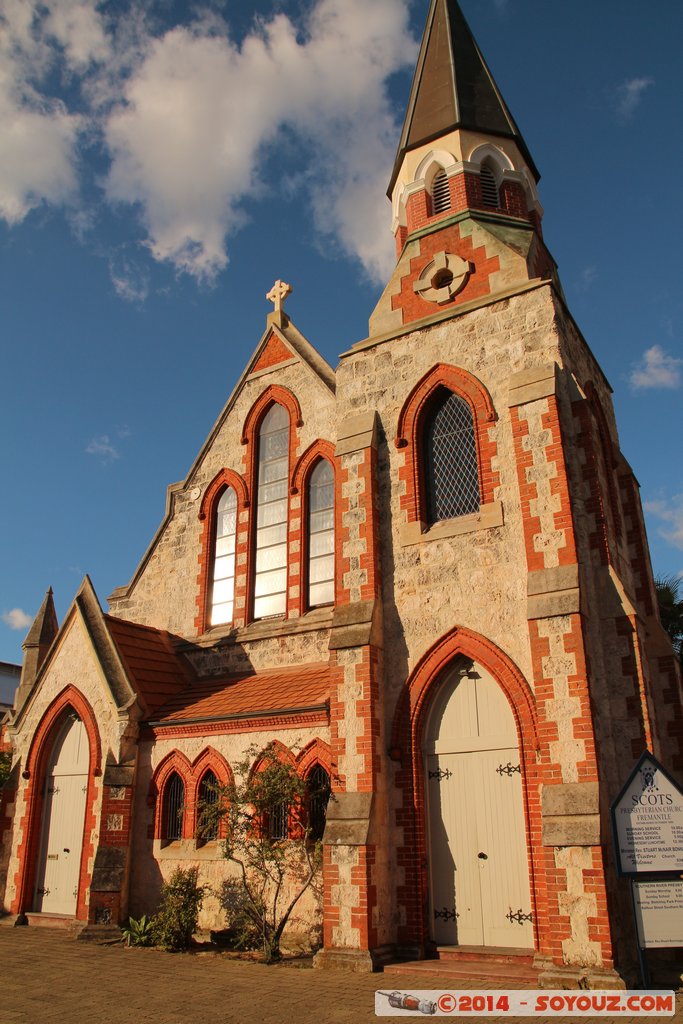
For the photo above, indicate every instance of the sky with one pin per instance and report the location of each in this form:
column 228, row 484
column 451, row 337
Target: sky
column 162, row 163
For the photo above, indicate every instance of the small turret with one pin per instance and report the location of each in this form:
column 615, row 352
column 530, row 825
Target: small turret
column 36, row 645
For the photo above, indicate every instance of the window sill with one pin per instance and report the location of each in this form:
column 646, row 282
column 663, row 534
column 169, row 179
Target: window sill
column 187, row 849
column 317, row 618
column 488, row 517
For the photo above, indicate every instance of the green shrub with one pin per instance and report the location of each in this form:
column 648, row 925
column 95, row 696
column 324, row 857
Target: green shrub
column 138, row 933
column 176, row 921
column 5, row 766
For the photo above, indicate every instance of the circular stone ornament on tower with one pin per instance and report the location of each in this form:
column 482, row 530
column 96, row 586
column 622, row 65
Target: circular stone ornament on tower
column 443, row 278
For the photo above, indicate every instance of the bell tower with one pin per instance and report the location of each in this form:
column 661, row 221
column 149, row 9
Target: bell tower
column 465, row 210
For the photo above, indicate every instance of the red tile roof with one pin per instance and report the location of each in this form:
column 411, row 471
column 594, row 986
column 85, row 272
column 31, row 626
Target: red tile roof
column 303, row 687
column 155, row 669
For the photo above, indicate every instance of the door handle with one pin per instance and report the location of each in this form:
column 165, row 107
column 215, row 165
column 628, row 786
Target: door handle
column 67, row 850
column 483, row 856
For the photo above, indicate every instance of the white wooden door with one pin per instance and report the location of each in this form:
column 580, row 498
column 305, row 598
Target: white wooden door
column 66, row 784
column 479, row 878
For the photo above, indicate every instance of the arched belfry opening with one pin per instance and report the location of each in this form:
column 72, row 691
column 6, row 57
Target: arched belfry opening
column 479, row 891
column 64, row 796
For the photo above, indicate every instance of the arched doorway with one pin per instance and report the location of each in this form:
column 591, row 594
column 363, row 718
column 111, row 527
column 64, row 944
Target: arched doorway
column 478, row 866
column 64, row 802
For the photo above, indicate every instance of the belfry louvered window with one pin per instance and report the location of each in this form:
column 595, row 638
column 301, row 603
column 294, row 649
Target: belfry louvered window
column 489, row 187
column 321, row 535
column 208, row 804
column 174, row 808
column 223, row 588
column 441, row 193
column 270, row 579
column 451, row 473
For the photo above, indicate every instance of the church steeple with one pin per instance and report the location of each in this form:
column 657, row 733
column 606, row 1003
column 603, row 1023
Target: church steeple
column 466, row 214
column 453, row 88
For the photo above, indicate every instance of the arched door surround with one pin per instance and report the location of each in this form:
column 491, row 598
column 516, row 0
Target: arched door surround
column 408, row 731
column 70, row 702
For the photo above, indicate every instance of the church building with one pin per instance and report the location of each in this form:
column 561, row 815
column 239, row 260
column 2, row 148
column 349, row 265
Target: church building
column 423, row 574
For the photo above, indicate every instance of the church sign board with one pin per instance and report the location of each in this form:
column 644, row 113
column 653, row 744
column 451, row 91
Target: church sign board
column 659, row 913
column 647, row 820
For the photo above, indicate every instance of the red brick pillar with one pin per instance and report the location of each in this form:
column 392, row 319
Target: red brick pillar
column 351, row 934
column 108, row 889
column 574, row 928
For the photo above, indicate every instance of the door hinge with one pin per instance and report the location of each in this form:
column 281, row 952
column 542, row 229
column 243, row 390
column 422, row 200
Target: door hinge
column 441, row 773
column 42, row 892
column 509, row 769
column 519, row 916
column 446, row 914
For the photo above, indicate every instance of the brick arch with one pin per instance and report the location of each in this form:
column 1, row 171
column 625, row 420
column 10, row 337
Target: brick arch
column 315, row 752
column 209, row 760
column 411, row 424
column 406, row 749
column 275, row 394
column 282, row 752
column 70, row 699
column 207, row 516
column 176, row 762
column 318, row 450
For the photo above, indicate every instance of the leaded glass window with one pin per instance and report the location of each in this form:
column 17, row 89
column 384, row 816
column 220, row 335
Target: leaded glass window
column 208, row 801
column 318, row 786
column 450, row 459
column 223, row 587
column 174, row 808
column 321, row 535
column 270, row 579
column 278, row 816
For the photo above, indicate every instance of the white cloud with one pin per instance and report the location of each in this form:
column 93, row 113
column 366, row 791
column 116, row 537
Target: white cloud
column 587, row 278
column 16, row 618
column 102, row 446
column 657, row 369
column 130, row 281
column 200, row 115
column 630, row 93
column 670, row 512
column 190, row 121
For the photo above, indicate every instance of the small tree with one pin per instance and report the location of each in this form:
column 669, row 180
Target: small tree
column 267, row 836
column 671, row 609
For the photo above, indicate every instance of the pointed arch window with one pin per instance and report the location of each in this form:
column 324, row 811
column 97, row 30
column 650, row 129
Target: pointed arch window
column 321, row 535
column 318, row 790
column 173, row 808
column 270, row 577
column 450, row 459
column 223, row 585
column 440, row 193
column 207, row 824
column 489, row 186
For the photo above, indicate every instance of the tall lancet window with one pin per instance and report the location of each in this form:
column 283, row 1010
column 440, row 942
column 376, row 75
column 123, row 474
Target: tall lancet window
column 223, row 589
column 441, row 193
column 270, row 579
column 450, row 459
column 321, row 535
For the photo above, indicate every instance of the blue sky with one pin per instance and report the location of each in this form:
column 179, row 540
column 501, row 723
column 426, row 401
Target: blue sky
column 161, row 164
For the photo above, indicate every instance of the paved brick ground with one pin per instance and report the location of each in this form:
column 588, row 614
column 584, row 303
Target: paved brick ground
column 48, row 978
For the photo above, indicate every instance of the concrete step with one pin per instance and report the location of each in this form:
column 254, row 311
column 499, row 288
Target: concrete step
column 66, row 922
column 470, row 970
column 487, row 954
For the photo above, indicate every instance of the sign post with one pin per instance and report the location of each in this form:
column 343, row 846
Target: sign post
column 647, row 826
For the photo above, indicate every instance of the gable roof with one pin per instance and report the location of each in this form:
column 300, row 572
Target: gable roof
column 155, row 669
column 285, row 334
column 453, row 88
column 262, row 694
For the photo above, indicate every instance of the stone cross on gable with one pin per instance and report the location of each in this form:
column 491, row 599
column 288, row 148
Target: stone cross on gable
column 278, row 294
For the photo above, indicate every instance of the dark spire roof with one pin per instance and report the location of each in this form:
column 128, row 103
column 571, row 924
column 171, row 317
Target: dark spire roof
column 453, row 88
column 45, row 626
